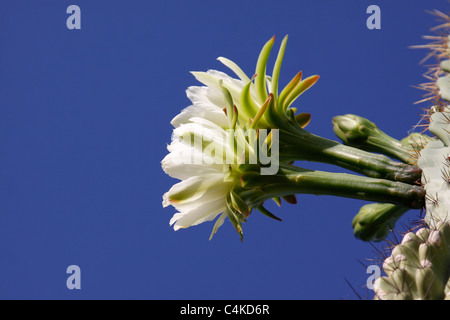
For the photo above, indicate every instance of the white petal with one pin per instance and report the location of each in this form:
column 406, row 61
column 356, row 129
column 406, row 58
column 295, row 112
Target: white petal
column 166, row 201
column 203, row 188
column 218, row 224
column 202, row 133
column 179, row 162
column 201, row 213
column 217, row 98
column 208, row 138
column 236, row 83
column 215, row 79
column 235, row 68
column 198, row 94
column 233, row 85
column 206, row 96
column 202, row 107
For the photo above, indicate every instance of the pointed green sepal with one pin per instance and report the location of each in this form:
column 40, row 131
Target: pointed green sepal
column 303, row 119
column 234, row 118
column 249, row 106
column 277, row 68
column 288, row 89
column 277, row 200
column 229, row 106
column 299, row 89
column 260, row 114
column 260, row 81
column 291, row 199
column 267, row 213
column 245, row 167
column 234, row 218
column 239, row 204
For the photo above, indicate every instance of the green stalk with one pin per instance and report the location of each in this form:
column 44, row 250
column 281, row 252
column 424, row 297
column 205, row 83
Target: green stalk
column 375, row 221
column 292, row 180
column 303, row 145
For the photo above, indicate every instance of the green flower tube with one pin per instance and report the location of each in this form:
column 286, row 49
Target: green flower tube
column 297, row 180
column 298, row 144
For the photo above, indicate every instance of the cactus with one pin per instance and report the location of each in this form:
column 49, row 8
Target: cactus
column 435, row 163
column 418, row 268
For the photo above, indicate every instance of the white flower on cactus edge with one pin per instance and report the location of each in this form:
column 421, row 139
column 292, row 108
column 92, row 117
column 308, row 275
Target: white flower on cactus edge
column 208, row 187
column 201, row 195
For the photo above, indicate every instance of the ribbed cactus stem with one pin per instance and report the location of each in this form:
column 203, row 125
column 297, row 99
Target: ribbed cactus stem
column 418, row 268
column 447, row 290
column 443, row 83
column 415, row 142
column 434, row 160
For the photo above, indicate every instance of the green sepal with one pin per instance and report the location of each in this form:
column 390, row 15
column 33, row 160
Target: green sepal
column 267, row 104
column 260, row 81
column 277, row 200
column 291, row 199
column 238, row 204
column 299, row 89
column 230, row 108
column 234, row 218
column 288, row 89
column 277, row 68
column 303, row 119
column 267, row 213
column 249, row 106
column 256, row 180
column 245, row 167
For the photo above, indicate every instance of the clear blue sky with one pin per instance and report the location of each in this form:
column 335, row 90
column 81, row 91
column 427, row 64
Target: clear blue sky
column 84, row 123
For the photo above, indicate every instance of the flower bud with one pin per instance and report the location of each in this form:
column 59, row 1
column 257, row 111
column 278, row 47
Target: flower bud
column 353, row 129
column 375, row 221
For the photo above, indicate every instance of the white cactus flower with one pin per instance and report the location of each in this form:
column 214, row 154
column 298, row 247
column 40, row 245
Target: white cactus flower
column 221, row 132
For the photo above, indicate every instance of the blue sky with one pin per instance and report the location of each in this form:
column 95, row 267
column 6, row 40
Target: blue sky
column 84, row 124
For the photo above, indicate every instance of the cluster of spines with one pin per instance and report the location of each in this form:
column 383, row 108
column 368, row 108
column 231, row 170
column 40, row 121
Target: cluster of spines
column 438, row 50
